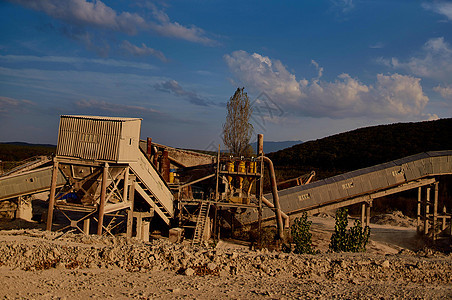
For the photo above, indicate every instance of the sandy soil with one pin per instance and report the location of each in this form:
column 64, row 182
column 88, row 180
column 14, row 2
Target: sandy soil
column 35, row 264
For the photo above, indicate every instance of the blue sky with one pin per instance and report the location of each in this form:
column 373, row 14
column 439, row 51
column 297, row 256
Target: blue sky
column 311, row 68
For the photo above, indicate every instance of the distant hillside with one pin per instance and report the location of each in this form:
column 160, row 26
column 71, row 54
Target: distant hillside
column 18, row 151
column 362, row 148
column 275, row 146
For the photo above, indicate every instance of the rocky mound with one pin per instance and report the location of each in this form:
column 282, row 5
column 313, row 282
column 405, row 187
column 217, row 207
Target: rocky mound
column 33, row 250
column 395, row 218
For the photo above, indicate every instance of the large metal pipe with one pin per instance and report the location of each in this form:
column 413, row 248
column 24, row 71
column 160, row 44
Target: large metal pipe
column 279, row 222
column 283, row 214
column 165, row 165
column 149, row 147
column 260, row 144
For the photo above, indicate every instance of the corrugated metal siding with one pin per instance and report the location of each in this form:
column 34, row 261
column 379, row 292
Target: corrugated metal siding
column 91, row 138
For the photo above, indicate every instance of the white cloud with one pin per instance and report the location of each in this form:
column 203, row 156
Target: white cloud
column 434, row 61
column 343, row 5
column 445, row 92
column 114, row 107
column 97, row 14
column 264, row 75
column 76, row 60
column 390, row 96
column 142, row 51
column 8, row 104
column 441, row 7
column 81, row 12
column 172, row 86
column 165, row 27
column 104, row 107
column 378, row 45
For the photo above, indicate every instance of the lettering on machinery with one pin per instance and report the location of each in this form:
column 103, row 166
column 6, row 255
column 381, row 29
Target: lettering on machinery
column 304, row 197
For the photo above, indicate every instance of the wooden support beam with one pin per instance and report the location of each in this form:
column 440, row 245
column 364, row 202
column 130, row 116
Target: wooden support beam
column 427, row 211
column 52, row 195
column 129, row 224
column 418, row 216
column 197, row 180
column 145, row 231
column 103, row 197
column 435, row 210
column 139, row 226
column 130, row 211
column 126, row 185
column 363, row 213
column 86, row 224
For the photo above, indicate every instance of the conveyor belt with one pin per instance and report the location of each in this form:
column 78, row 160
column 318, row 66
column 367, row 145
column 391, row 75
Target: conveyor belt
column 406, row 173
column 28, row 183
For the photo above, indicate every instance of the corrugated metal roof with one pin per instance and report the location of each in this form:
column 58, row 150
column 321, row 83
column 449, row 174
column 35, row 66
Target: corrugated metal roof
column 120, row 119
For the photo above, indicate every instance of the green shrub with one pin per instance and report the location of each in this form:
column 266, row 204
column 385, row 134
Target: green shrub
column 353, row 240
column 301, row 235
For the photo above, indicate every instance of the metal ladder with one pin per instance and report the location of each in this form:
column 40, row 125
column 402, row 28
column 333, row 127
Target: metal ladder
column 201, row 223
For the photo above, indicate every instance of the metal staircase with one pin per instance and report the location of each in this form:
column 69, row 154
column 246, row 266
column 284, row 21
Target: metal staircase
column 151, row 199
column 152, row 188
column 201, row 223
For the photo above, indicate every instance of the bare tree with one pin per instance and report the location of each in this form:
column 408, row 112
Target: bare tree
column 237, row 130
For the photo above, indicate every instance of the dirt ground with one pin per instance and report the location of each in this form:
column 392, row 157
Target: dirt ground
column 35, row 264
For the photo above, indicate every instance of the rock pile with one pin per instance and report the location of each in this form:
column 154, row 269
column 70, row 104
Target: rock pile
column 395, row 218
column 37, row 250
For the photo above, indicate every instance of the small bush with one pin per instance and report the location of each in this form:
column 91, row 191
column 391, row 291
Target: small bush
column 301, row 235
column 353, row 240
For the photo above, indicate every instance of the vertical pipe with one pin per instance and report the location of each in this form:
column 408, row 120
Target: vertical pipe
column 427, row 212
column 275, row 197
column 156, row 159
column 435, row 210
column 443, row 226
column 260, row 144
column 418, row 218
column 149, row 147
column 52, row 195
column 217, row 196
column 103, row 197
column 260, row 153
column 165, row 165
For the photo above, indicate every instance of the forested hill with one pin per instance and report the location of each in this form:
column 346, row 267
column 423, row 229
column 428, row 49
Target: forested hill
column 18, row 151
column 361, row 148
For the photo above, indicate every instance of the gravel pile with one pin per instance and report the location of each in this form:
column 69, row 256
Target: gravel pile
column 38, row 250
column 395, row 218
